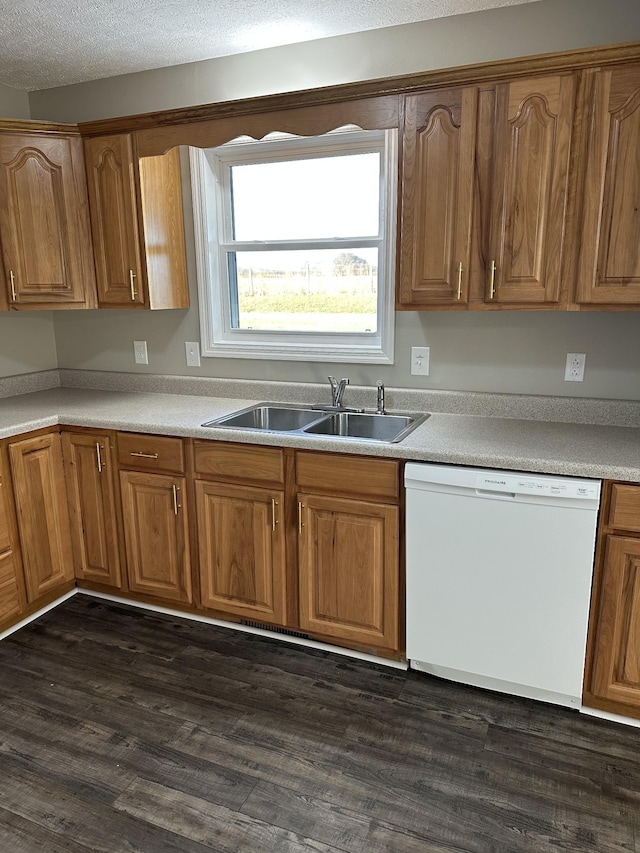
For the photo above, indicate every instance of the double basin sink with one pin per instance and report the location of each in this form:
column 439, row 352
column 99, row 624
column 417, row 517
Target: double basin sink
column 359, row 426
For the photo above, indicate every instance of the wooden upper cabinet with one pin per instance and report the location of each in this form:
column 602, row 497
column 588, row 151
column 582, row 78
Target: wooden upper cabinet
column 609, row 259
column 485, row 186
column 532, row 132
column 44, row 222
column 112, row 196
column 137, row 224
column 438, row 156
column 43, row 522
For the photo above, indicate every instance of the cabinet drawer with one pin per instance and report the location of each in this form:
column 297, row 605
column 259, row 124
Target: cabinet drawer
column 349, row 475
column 239, row 462
column 150, row 452
column 624, row 512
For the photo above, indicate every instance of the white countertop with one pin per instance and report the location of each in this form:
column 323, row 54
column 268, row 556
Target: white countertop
column 586, row 450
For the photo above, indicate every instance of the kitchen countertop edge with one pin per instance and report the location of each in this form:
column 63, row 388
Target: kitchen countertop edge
column 551, row 447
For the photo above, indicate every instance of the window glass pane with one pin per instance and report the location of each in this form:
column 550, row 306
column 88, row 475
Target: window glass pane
column 310, row 291
column 317, row 198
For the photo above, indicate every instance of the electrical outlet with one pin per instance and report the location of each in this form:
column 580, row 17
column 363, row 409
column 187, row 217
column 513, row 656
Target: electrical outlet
column 140, row 352
column 192, row 349
column 574, row 368
column 419, row 361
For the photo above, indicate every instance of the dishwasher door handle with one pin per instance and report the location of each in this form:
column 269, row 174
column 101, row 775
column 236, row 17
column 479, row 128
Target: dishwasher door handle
column 492, row 493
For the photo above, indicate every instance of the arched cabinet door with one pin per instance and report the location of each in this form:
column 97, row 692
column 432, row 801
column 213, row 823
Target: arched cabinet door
column 529, row 190
column 438, row 158
column 609, row 259
column 137, row 224
column 44, row 222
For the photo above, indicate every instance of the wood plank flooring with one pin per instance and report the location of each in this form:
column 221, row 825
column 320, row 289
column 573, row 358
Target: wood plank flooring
column 125, row 731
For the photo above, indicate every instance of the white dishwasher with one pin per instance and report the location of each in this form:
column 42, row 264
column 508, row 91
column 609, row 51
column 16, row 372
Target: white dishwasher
column 499, row 568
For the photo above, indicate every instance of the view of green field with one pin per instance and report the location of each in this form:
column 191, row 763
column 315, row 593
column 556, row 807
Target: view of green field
column 339, row 297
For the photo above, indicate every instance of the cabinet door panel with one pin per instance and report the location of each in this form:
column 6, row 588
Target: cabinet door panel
column 12, row 598
column 155, row 527
column 90, row 493
column 5, row 541
column 530, row 185
column 349, row 570
column 241, row 547
column 437, row 187
column 10, row 603
column 609, row 262
column 44, row 220
column 112, row 196
column 616, row 671
column 43, row 522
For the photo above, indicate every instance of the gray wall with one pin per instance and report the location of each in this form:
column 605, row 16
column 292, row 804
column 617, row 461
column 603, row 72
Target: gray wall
column 14, row 103
column 506, row 351
column 541, row 27
column 27, row 342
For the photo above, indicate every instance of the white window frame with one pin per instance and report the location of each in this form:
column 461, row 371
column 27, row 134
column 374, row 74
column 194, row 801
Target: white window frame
column 218, row 339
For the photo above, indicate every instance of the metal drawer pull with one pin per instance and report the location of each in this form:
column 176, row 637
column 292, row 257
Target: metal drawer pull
column 132, row 286
column 12, row 280
column 459, row 294
column 492, row 280
column 144, row 455
column 99, row 458
column 176, row 505
column 274, row 520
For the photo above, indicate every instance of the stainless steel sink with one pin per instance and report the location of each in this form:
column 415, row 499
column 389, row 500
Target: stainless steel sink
column 268, row 418
column 367, row 426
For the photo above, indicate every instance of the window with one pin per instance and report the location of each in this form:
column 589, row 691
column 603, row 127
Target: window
column 295, row 246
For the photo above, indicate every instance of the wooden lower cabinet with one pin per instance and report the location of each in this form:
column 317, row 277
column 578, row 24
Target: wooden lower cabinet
column 41, row 508
column 241, row 547
column 92, row 507
column 348, row 569
column 612, row 680
column 156, row 535
column 304, row 540
column 12, row 598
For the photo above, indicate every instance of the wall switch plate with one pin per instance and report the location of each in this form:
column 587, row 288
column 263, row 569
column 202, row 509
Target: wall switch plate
column 574, row 368
column 419, row 361
column 140, row 352
column 192, row 349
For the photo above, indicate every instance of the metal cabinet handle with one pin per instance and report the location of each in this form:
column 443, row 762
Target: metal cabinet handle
column 274, row 520
column 176, row 505
column 459, row 293
column 12, row 282
column 132, row 286
column 101, row 464
column 492, row 279
column 144, row 455
column 300, row 524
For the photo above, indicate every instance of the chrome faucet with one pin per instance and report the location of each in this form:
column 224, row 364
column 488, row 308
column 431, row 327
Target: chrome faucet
column 380, row 410
column 337, row 391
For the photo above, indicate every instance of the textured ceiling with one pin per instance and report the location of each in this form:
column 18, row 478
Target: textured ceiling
column 58, row 42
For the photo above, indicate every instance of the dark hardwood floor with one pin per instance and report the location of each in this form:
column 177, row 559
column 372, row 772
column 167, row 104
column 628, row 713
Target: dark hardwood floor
column 126, row 731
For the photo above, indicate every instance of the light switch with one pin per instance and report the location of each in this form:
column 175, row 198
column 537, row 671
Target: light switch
column 419, row 361
column 192, row 349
